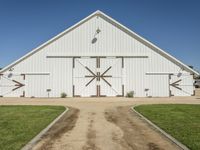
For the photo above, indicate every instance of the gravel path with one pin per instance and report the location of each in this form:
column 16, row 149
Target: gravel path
column 101, row 124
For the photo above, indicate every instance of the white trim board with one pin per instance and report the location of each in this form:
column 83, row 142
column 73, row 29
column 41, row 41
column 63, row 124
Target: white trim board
column 28, row 73
column 106, row 56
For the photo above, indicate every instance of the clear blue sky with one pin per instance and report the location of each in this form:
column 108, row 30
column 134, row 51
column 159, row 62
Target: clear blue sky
column 173, row 25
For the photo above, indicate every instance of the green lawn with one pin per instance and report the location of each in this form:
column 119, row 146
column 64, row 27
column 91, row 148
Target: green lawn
column 19, row 124
column 180, row 121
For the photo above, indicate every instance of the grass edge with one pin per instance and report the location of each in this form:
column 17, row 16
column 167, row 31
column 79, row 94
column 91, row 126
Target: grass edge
column 29, row 145
column 158, row 129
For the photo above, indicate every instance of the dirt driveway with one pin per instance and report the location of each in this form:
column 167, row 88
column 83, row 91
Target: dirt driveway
column 102, row 124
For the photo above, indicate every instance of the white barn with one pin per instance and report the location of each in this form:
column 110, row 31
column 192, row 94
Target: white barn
column 97, row 57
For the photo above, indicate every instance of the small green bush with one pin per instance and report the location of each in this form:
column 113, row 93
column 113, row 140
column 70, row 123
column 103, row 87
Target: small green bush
column 130, row 94
column 63, row 95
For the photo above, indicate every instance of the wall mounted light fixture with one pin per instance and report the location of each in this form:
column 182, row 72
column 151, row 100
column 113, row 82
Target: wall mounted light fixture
column 98, row 31
column 94, row 40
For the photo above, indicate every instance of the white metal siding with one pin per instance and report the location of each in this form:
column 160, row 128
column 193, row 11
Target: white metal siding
column 135, row 78
column 111, row 41
column 158, row 86
column 60, row 76
column 37, row 85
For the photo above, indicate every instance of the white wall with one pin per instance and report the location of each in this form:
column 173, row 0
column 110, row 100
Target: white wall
column 111, row 41
column 37, row 85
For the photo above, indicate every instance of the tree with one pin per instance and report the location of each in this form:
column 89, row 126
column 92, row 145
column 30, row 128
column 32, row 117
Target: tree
column 191, row 66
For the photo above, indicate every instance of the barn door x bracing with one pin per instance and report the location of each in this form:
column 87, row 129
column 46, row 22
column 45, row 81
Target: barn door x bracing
column 98, row 76
column 12, row 85
column 181, row 86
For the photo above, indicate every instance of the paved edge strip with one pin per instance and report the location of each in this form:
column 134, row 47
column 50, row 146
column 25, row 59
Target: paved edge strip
column 172, row 139
column 38, row 137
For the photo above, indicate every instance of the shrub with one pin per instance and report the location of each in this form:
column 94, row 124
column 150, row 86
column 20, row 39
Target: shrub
column 130, row 94
column 63, row 95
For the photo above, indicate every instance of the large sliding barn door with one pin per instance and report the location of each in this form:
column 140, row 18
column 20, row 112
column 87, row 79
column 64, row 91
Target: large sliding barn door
column 97, row 76
column 83, row 84
column 111, row 77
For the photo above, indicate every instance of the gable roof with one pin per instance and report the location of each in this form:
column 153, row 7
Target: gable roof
column 115, row 23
